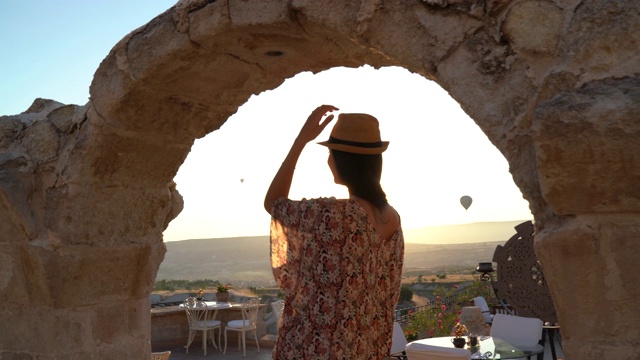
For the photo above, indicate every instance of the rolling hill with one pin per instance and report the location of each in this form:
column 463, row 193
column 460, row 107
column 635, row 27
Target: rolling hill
column 245, row 260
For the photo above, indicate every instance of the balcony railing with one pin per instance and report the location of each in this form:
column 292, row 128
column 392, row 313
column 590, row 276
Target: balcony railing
column 405, row 315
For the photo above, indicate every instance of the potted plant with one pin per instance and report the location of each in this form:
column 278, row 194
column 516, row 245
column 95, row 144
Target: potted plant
column 458, row 331
column 222, row 294
column 410, row 335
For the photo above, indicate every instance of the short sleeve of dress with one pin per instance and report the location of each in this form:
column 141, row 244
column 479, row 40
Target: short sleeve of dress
column 292, row 224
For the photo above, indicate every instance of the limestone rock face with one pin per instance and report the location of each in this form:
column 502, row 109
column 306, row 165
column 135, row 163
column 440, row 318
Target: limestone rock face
column 86, row 191
column 73, row 260
column 579, row 139
column 534, row 27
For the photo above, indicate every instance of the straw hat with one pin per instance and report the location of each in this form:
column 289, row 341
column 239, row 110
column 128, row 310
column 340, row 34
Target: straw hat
column 356, row 133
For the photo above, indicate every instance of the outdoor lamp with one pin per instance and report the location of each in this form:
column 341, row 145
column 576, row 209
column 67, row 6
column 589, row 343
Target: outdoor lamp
column 485, row 269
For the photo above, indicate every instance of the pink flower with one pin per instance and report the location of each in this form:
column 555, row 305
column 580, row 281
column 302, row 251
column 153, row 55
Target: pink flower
column 444, row 307
column 431, row 332
column 410, row 312
column 439, row 321
column 438, row 297
column 457, row 321
column 455, row 286
column 459, row 312
column 440, row 315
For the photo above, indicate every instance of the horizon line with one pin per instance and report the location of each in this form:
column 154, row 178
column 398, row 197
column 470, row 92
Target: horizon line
column 404, row 229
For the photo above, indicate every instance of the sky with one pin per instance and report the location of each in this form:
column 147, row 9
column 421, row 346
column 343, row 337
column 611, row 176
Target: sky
column 437, row 154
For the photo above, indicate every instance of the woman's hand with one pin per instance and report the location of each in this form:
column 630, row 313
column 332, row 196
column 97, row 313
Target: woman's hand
column 281, row 183
column 316, row 122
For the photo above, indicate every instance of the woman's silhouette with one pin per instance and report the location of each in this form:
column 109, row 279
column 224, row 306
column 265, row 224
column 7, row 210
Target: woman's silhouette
column 338, row 261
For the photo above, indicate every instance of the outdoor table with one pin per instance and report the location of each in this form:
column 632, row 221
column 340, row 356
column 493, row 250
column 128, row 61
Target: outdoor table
column 224, row 315
column 489, row 347
column 212, row 305
column 228, row 310
column 169, row 323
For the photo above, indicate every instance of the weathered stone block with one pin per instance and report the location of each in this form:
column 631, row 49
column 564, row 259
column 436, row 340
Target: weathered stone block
column 258, row 12
column 207, row 23
column 602, row 40
column 73, row 276
column 534, row 26
column 586, row 148
column 13, row 290
column 590, row 255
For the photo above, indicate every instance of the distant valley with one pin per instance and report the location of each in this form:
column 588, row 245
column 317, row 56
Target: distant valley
column 463, row 233
column 244, row 261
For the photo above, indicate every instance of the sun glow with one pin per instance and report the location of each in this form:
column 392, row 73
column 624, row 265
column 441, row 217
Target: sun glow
column 436, row 155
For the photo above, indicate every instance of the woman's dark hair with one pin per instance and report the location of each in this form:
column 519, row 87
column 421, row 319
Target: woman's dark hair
column 361, row 174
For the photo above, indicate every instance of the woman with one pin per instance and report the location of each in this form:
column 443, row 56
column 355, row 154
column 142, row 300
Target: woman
column 338, row 262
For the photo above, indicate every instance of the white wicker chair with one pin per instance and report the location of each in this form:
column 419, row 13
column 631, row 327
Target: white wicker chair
column 516, row 330
column 278, row 308
column 248, row 323
column 398, row 343
column 202, row 318
column 481, row 302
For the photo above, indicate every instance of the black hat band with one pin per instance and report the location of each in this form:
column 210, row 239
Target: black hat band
column 376, row 144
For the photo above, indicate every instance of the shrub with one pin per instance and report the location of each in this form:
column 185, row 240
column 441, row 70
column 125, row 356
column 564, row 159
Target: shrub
column 440, row 319
column 480, row 288
column 406, row 294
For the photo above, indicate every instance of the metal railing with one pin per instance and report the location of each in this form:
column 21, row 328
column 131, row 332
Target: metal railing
column 405, row 315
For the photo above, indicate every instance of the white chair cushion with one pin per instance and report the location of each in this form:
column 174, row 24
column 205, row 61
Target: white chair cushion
column 418, row 351
column 238, row 324
column 206, row 324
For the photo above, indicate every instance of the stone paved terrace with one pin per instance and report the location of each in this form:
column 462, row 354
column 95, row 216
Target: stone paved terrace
column 171, row 320
column 170, row 332
column 195, row 352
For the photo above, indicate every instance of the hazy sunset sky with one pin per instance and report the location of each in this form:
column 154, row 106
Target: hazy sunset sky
column 437, row 154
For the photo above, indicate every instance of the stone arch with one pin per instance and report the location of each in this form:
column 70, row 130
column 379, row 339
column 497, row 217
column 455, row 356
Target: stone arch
column 86, row 191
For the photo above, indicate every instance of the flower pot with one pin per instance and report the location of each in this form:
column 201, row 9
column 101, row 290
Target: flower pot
column 222, row 296
column 459, row 342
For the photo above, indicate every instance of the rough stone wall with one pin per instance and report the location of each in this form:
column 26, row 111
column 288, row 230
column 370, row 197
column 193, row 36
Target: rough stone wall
column 86, row 191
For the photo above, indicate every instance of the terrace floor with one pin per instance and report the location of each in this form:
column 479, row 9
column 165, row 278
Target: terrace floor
column 195, row 352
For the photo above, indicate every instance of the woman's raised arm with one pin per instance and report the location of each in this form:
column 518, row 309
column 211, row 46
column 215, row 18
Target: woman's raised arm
column 281, row 183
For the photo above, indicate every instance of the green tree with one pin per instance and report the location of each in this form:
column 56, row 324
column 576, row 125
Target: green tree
column 480, row 288
column 406, row 294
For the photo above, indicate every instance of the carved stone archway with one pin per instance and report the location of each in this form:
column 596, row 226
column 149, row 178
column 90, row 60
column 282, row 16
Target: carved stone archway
column 86, row 191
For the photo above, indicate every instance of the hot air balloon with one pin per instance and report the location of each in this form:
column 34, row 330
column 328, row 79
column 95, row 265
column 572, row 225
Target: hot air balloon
column 466, row 201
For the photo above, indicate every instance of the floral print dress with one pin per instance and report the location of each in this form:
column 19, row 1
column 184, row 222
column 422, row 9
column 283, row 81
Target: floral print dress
column 341, row 282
